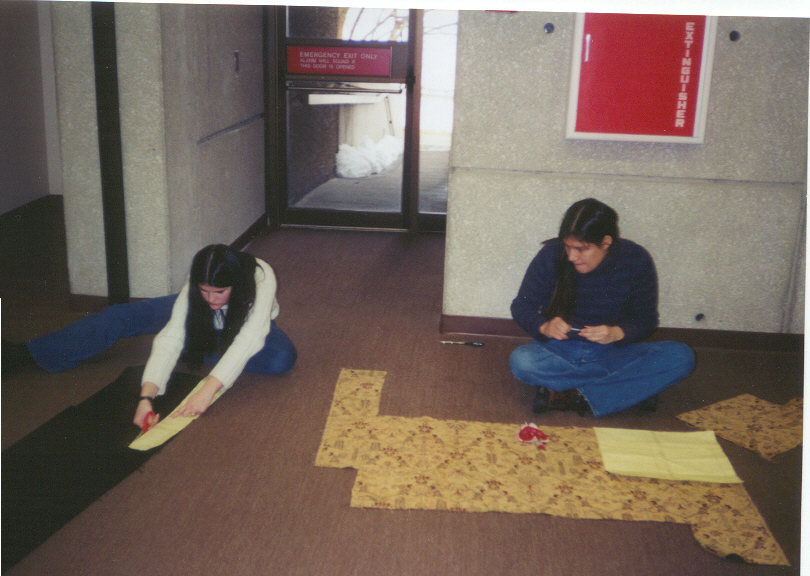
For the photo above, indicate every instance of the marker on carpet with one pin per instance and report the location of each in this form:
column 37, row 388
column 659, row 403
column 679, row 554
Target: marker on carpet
column 476, row 344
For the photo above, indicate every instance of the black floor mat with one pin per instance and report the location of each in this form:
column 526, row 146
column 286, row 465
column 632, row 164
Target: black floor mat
column 66, row 464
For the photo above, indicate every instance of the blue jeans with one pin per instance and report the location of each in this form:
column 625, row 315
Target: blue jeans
column 609, row 376
column 68, row 347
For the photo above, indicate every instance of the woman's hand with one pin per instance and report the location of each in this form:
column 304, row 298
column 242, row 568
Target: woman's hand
column 602, row 334
column 145, row 414
column 142, row 412
column 556, row 328
column 199, row 402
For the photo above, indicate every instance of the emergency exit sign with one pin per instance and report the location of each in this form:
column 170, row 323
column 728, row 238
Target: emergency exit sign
column 339, row 60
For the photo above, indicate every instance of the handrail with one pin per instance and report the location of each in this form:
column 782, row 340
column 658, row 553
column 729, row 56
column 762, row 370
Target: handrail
column 341, row 89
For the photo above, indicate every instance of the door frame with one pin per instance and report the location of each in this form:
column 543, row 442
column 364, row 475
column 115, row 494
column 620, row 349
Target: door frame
column 406, row 69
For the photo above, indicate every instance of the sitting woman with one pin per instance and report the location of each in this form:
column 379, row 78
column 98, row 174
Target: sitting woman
column 223, row 317
column 588, row 299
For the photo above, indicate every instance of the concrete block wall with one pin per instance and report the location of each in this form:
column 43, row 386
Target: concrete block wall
column 143, row 141
column 78, row 142
column 191, row 89
column 724, row 220
column 213, row 105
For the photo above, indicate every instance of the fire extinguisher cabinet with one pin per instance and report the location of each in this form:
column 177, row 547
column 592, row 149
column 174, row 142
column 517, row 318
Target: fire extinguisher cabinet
column 641, row 77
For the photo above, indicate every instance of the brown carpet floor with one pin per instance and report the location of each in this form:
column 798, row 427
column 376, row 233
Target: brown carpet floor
column 238, row 493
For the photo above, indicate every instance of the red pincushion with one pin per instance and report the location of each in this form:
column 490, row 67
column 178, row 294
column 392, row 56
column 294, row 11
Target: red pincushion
column 531, row 434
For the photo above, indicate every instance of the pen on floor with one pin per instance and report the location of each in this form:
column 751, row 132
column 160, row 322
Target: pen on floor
column 476, row 344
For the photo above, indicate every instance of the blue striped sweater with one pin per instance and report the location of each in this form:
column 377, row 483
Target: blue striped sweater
column 622, row 291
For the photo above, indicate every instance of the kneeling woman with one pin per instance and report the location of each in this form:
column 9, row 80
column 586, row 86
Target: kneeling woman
column 223, row 317
column 588, row 299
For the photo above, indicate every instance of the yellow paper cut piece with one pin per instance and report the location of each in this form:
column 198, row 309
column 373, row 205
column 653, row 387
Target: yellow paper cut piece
column 694, row 456
column 169, row 426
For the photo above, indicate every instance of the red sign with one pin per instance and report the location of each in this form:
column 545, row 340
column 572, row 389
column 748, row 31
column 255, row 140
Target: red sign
column 640, row 74
column 339, row 60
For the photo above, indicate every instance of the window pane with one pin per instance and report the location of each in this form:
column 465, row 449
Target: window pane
column 358, row 24
column 436, row 115
column 345, row 144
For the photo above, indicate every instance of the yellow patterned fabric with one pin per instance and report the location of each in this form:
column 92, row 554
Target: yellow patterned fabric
column 425, row 463
column 766, row 428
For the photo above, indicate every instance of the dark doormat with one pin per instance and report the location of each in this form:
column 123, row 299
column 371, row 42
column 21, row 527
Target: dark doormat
column 69, row 462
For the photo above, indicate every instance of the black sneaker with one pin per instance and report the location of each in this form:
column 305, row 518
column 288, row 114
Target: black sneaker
column 581, row 406
column 649, row 405
column 541, row 400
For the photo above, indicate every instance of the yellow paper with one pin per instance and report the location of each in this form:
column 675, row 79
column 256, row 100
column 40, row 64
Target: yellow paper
column 168, row 427
column 665, row 455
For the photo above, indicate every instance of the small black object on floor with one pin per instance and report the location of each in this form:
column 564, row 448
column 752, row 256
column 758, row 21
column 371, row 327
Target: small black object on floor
column 572, row 401
column 546, row 400
column 69, row 462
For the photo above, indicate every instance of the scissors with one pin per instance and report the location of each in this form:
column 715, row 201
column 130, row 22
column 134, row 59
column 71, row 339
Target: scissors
column 148, row 421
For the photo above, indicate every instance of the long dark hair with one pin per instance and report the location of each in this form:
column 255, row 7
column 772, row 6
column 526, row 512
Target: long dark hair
column 588, row 221
column 222, row 267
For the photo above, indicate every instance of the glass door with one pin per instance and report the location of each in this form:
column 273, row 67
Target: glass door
column 345, row 145
column 349, row 111
column 437, row 88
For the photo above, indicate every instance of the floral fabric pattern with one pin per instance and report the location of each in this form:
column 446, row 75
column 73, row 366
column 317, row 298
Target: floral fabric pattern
column 766, row 428
column 426, row 463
